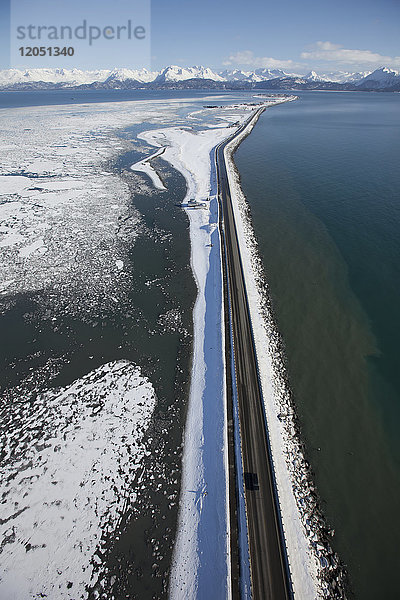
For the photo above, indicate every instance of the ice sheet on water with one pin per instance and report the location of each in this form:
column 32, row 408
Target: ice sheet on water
column 65, row 220
column 70, row 456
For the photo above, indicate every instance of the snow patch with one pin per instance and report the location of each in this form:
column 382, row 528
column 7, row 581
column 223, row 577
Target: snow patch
column 36, row 246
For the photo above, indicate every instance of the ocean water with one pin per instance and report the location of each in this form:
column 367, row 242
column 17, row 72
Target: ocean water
column 150, row 326
column 49, row 97
column 148, row 321
column 153, row 329
column 322, row 180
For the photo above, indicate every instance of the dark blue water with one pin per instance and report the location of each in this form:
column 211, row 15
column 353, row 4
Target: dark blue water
column 138, row 328
column 49, row 97
column 322, row 179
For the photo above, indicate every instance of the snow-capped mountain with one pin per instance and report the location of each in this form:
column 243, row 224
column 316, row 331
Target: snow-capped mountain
column 142, row 75
column 313, row 76
column 267, row 74
column 345, row 76
column 239, row 75
column 257, row 75
column 173, row 73
column 63, row 76
column 381, row 78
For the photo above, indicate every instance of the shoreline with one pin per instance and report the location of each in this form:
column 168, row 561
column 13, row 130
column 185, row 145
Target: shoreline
column 201, row 557
column 321, row 575
column 201, row 552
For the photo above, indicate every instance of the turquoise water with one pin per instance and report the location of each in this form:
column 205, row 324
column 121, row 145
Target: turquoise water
column 322, row 180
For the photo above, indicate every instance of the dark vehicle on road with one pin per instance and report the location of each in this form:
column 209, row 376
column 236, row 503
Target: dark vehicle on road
column 251, row 481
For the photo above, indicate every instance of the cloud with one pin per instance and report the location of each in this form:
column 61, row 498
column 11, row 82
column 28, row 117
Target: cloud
column 317, row 55
column 247, row 58
column 326, row 51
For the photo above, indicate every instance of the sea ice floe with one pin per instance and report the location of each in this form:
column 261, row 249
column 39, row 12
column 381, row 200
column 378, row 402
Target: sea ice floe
column 70, row 456
column 36, row 246
column 13, row 185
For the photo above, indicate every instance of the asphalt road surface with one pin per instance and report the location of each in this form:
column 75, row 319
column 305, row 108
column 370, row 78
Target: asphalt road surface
column 270, row 578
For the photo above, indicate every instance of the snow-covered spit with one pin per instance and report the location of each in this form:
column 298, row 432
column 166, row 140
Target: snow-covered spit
column 201, row 565
column 315, row 568
column 145, row 166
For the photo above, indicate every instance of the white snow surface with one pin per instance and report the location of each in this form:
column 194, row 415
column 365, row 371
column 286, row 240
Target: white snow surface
column 13, row 185
column 63, row 492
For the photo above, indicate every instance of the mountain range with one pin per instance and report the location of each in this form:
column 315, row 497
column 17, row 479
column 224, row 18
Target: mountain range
column 382, row 79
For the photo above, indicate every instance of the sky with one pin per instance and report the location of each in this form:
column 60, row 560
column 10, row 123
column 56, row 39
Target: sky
column 295, row 35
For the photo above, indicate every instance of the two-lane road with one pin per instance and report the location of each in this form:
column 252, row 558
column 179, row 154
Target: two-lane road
column 270, row 578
